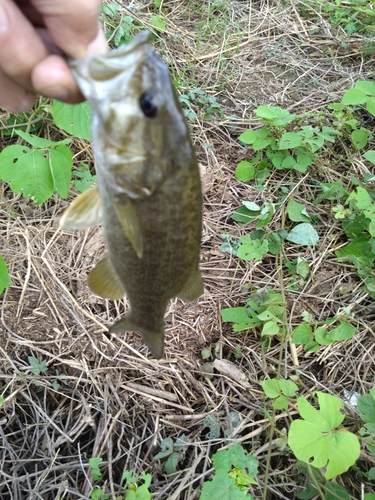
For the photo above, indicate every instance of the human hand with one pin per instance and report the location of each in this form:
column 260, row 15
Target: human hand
column 35, row 35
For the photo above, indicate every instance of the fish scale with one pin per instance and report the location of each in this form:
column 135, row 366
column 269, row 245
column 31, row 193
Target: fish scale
column 148, row 194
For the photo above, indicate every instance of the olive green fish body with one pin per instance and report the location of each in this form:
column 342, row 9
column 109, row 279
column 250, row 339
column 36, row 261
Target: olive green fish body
column 149, row 188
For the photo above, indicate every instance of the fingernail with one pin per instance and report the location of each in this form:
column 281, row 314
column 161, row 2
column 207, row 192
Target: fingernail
column 98, row 46
column 56, row 92
column 4, row 19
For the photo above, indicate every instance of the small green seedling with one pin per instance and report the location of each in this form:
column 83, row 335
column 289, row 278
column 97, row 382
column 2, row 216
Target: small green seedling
column 37, row 367
column 136, row 491
column 4, row 275
column 174, row 452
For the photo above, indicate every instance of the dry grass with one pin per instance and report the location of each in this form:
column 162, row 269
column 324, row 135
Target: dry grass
column 114, row 400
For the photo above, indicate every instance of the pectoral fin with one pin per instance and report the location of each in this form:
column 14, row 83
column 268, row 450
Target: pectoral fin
column 131, row 225
column 85, row 211
column 103, row 280
column 193, row 288
column 153, row 340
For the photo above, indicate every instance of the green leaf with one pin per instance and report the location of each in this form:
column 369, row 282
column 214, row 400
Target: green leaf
column 271, row 388
column 366, row 86
column 27, row 170
column 280, row 403
column 248, row 137
column 158, row 23
column 344, row 331
column 297, row 211
column 321, row 336
column 245, row 171
column 253, row 251
column 302, row 334
column 316, row 441
column 61, row 162
column 366, row 407
column 270, row 328
column 361, row 198
column 354, row 96
column 239, row 317
column 335, row 491
column 274, row 115
column 370, row 105
column 250, row 205
column 370, row 156
column 39, row 142
column 73, row 118
column 360, row 137
column 94, row 464
column 290, row 140
column 4, row 276
column 214, row 426
column 303, row 234
column 288, row 388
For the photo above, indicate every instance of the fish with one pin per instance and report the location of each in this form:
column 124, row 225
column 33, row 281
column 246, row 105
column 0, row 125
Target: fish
column 148, row 194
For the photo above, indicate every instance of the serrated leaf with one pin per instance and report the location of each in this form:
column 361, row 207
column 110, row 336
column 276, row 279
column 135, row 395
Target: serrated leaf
column 60, row 160
column 4, row 275
column 303, row 234
column 73, row 118
column 215, row 430
column 94, row 464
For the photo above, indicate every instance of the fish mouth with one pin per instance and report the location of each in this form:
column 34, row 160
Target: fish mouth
column 107, row 66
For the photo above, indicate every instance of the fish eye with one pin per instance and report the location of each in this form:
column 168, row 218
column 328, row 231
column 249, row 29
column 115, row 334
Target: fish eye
column 148, row 106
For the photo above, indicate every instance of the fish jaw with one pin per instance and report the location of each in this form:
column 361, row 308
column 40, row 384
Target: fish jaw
column 153, row 339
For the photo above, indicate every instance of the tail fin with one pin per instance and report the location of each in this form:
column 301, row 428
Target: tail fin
column 153, row 340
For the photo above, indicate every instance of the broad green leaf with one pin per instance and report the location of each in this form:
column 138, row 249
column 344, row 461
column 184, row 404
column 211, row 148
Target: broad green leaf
column 360, row 198
column 222, row 487
column 288, row 161
column 303, row 162
column 303, row 234
column 271, row 388
column 370, row 105
column 239, row 317
column 248, row 137
column 321, row 336
column 297, row 211
column 245, row 171
column 290, row 140
column 302, row 334
column 330, row 409
column 302, row 268
column 274, row 114
column 335, row 491
column 370, row 156
column 288, row 388
column 360, row 137
column 367, row 86
column 27, row 170
column 344, row 331
column 235, row 456
column 39, row 142
column 253, row 251
column 73, row 118
column 270, row 328
column 250, row 205
column 366, row 407
column 280, row 403
column 60, row 161
column 354, row 96
column 158, row 23
column 344, row 450
column 308, row 442
column 4, row 275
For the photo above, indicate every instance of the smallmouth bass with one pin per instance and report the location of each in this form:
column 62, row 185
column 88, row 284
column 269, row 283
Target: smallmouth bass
column 148, row 192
